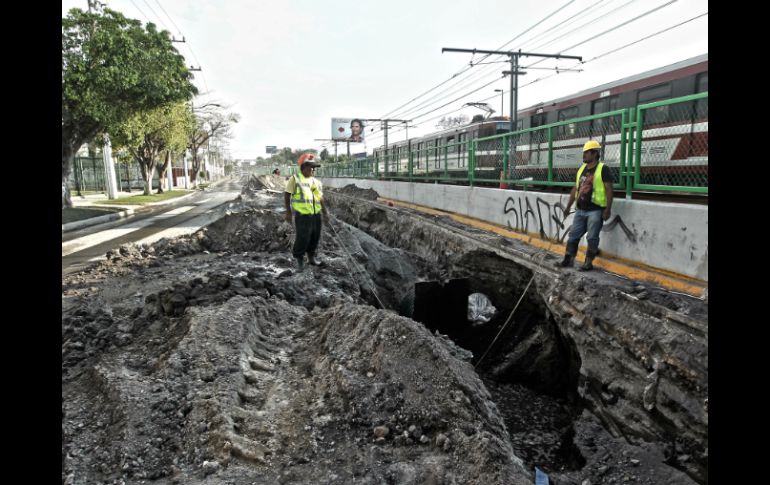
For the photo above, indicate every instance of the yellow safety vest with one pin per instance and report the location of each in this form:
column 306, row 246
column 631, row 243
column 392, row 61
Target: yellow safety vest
column 307, row 195
column 598, row 196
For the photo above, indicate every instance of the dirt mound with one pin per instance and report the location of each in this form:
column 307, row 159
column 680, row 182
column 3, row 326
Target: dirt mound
column 355, row 191
column 264, row 182
column 223, row 394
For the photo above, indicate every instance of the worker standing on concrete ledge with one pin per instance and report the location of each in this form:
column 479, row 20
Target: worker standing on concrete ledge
column 593, row 186
column 305, row 193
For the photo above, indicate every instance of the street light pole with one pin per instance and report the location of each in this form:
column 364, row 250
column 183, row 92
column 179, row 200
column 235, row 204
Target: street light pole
column 502, row 111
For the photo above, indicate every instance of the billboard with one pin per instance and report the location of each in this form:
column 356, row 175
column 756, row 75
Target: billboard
column 270, row 149
column 348, row 129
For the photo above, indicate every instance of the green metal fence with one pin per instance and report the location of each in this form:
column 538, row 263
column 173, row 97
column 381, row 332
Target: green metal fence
column 660, row 146
column 88, row 175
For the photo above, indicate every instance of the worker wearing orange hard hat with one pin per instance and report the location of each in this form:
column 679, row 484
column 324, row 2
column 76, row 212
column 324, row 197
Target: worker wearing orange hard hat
column 302, row 197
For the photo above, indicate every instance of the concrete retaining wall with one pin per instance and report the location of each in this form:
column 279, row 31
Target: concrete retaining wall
column 668, row 236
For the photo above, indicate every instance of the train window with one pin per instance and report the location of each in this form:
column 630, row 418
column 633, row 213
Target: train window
column 419, row 153
column 649, row 95
column 564, row 115
column 538, row 120
column 655, row 93
column 604, row 105
column 461, row 149
column 701, row 86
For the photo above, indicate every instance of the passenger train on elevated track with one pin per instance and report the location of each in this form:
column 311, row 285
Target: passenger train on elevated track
column 673, row 147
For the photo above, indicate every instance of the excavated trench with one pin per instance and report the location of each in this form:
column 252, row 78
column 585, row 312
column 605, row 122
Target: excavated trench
column 559, row 416
column 189, row 361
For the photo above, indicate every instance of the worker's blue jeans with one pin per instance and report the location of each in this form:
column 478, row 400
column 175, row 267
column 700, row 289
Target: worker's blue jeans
column 586, row 221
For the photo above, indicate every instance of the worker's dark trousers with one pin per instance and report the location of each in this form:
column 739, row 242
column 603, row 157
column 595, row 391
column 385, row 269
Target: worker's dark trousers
column 308, row 234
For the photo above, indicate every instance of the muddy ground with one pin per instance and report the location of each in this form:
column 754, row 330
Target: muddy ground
column 209, row 359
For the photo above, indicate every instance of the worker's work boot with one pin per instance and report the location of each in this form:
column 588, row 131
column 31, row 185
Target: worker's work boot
column 588, row 263
column 300, row 264
column 311, row 259
column 569, row 257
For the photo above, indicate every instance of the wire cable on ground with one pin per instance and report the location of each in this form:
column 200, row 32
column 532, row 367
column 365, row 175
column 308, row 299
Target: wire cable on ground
column 506, row 322
column 360, row 269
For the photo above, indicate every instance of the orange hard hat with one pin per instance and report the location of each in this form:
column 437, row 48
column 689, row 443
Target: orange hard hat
column 307, row 158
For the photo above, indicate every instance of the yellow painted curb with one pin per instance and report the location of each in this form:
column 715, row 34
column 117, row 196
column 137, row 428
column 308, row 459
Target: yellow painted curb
column 626, row 268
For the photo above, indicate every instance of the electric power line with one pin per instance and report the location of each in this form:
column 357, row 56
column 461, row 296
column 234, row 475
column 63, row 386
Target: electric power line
column 179, row 31
column 158, row 16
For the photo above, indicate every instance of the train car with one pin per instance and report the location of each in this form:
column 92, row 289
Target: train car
column 440, row 154
column 675, row 137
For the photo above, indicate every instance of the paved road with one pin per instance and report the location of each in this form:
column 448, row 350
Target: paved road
column 82, row 248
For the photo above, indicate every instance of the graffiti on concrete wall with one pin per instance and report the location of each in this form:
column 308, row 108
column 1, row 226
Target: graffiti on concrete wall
column 549, row 220
column 617, row 221
column 542, row 217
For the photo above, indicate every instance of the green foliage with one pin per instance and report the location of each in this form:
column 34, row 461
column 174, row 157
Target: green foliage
column 288, row 156
column 112, row 67
column 149, row 133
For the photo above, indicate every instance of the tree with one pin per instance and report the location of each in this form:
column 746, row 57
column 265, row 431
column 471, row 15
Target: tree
column 324, row 154
column 208, row 124
column 148, row 134
column 177, row 142
column 288, row 156
column 112, row 68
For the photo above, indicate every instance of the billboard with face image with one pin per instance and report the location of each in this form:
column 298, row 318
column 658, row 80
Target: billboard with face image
column 348, row 129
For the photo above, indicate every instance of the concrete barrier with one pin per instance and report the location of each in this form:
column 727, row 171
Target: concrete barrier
column 667, row 236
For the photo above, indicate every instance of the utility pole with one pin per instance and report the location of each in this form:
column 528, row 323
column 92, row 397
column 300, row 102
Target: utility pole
column 109, row 169
column 515, row 73
column 169, row 175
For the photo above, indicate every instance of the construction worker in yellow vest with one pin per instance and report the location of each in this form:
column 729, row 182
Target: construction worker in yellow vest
column 593, row 188
column 303, row 196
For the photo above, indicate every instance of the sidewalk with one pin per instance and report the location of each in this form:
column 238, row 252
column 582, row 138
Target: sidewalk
column 125, row 210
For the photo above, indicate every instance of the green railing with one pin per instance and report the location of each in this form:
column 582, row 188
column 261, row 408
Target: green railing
column 660, row 146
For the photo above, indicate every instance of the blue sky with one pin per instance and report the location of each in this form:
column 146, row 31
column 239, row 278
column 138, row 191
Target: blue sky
column 289, row 67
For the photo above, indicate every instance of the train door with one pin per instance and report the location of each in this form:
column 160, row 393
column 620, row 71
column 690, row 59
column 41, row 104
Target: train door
column 462, row 149
column 418, row 155
column 697, row 145
column 448, row 152
column 602, row 126
column 537, row 137
column 436, row 144
column 658, row 140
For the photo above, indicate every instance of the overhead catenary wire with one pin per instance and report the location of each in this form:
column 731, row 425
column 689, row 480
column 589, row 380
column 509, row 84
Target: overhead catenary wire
column 467, row 68
column 178, row 30
column 439, row 97
column 604, row 54
column 411, row 111
column 140, row 11
column 155, row 13
column 483, row 72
